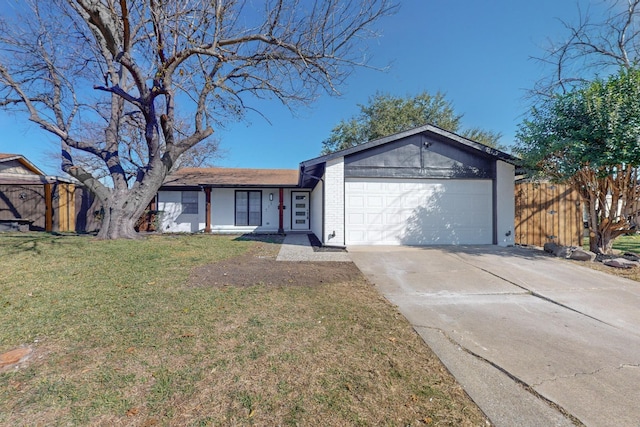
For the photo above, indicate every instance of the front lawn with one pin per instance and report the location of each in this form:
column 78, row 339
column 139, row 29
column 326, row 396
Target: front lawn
column 630, row 243
column 624, row 243
column 122, row 336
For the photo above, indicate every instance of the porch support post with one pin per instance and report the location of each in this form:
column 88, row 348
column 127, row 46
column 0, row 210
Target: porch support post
column 207, row 195
column 280, row 210
column 48, row 208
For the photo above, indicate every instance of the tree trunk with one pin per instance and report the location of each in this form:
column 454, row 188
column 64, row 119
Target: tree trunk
column 590, row 201
column 122, row 209
column 600, row 243
column 117, row 224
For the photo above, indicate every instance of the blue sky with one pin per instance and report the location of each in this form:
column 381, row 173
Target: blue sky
column 475, row 51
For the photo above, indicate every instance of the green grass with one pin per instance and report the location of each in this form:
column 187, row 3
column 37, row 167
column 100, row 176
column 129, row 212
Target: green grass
column 92, row 308
column 120, row 339
column 625, row 243
column 630, row 243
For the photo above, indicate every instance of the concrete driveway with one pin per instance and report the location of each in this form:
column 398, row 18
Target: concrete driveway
column 535, row 341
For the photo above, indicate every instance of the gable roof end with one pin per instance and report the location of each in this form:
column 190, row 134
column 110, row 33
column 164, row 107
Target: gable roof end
column 485, row 149
column 5, row 157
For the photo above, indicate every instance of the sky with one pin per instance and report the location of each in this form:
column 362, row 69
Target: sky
column 478, row 52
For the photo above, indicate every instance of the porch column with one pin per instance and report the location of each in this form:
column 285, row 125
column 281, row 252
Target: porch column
column 280, row 209
column 207, row 196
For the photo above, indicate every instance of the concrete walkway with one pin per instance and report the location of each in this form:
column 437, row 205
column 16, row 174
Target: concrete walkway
column 296, row 247
column 535, row 341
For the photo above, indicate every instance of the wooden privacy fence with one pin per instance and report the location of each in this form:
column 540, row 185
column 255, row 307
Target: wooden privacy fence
column 49, row 206
column 46, row 206
column 547, row 212
column 66, row 218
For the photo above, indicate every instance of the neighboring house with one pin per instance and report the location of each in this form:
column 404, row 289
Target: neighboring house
column 31, row 200
column 425, row 186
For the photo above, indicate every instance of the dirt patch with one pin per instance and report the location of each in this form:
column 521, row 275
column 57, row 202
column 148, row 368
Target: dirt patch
column 14, row 358
column 259, row 266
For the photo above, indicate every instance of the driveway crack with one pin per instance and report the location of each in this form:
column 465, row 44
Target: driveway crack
column 574, row 375
column 594, row 372
column 538, row 295
column 629, row 365
column 527, row 387
column 542, row 297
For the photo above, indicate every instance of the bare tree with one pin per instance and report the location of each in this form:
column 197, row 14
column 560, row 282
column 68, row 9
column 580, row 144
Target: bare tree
column 133, row 150
column 592, row 47
column 70, row 64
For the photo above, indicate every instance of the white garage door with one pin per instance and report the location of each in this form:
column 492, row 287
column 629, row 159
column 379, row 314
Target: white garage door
column 418, row 212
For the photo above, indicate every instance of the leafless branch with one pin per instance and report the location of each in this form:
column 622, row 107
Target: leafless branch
column 592, row 46
column 74, row 64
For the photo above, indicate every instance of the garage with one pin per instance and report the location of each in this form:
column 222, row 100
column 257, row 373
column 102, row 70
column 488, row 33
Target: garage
column 418, row 211
column 425, row 186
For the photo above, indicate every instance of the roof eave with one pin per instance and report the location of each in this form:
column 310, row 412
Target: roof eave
column 185, row 185
column 24, row 179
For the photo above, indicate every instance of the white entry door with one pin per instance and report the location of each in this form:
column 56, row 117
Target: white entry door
column 299, row 210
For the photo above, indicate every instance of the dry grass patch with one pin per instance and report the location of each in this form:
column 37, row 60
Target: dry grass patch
column 121, row 336
column 630, row 243
column 627, row 273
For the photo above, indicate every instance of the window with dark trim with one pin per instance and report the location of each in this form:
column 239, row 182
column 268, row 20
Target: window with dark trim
column 249, row 208
column 189, row 202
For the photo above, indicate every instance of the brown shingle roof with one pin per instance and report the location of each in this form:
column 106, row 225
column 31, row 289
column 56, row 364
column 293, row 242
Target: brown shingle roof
column 231, row 177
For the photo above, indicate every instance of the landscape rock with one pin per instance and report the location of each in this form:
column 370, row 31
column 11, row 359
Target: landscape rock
column 571, row 252
column 620, row 263
column 631, row 256
column 550, row 247
column 563, row 252
column 582, row 255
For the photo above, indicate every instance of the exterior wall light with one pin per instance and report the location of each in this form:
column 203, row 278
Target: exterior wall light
column 271, row 197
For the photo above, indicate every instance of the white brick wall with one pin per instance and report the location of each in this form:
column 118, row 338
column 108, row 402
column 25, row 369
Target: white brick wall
column 317, row 211
column 506, row 203
column 334, row 208
column 173, row 220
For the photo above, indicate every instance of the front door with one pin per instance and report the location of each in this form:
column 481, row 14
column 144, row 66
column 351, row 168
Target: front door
column 300, row 210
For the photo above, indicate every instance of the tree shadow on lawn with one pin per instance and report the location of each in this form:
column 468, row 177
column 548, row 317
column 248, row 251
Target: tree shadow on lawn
column 29, row 242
